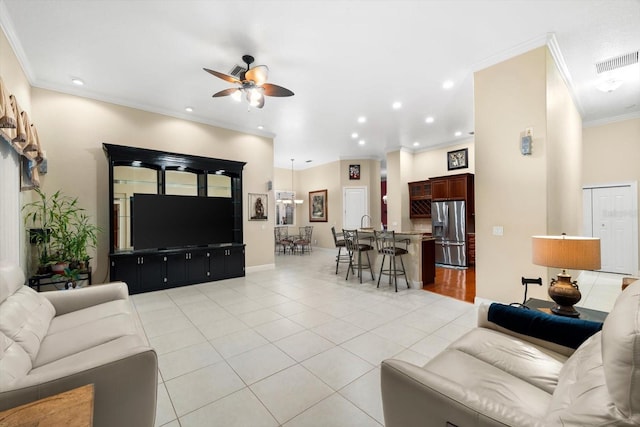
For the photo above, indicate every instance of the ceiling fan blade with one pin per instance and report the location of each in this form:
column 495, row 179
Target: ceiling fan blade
column 257, row 74
column 275, row 90
column 226, row 92
column 222, row 76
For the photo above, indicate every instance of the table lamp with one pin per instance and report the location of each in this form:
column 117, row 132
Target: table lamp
column 572, row 252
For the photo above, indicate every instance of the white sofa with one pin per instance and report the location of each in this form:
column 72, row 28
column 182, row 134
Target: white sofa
column 492, row 376
column 52, row 342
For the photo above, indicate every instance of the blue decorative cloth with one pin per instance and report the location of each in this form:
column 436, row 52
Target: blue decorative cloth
column 566, row 331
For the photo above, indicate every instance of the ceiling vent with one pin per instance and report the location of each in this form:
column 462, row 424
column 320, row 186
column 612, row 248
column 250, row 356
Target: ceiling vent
column 237, row 70
column 617, row 62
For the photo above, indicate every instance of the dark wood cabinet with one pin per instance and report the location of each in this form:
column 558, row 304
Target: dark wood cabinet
column 227, row 262
column 141, row 273
column 171, row 268
column 135, row 171
column 471, row 241
column 420, row 199
column 452, row 187
column 428, row 261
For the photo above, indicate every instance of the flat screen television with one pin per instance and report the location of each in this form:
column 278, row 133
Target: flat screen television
column 166, row 221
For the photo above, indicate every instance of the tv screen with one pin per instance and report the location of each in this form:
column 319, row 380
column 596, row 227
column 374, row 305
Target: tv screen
column 164, row 221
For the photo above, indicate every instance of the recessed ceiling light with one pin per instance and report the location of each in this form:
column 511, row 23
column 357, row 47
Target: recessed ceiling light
column 188, row 109
column 448, row 84
column 76, row 81
column 458, row 133
column 609, row 85
column 415, row 144
column 260, row 127
column 362, row 142
column 354, row 135
column 362, row 119
column 429, row 119
column 396, row 105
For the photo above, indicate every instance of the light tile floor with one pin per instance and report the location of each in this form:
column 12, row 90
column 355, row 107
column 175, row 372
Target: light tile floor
column 297, row 345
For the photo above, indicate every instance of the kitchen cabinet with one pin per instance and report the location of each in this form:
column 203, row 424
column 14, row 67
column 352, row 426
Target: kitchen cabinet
column 471, row 240
column 420, row 199
column 452, row 187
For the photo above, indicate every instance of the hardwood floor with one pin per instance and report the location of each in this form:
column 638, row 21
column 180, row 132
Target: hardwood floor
column 455, row 283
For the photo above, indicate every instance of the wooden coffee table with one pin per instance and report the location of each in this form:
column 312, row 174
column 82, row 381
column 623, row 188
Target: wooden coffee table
column 73, row 408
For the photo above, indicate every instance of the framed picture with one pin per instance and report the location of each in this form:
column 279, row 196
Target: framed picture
column 458, row 159
column 26, row 175
column 258, row 207
column 354, row 171
column 318, row 206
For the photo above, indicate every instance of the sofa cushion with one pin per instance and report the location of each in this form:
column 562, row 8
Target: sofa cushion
column 25, row 317
column 581, row 397
column 621, row 352
column 15, row 363
column 529, row 363
column 561, row 330
column 84, row 329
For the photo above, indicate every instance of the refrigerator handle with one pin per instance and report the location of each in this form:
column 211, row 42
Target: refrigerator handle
column 445, row 215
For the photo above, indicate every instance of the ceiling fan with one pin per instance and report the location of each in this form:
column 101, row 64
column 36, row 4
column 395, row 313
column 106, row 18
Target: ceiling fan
column 252, row 82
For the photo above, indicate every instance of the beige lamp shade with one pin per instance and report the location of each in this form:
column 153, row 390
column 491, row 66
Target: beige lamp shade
column 567, row 252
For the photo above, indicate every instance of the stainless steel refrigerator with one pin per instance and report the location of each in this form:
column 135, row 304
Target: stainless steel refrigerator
column 449, row 230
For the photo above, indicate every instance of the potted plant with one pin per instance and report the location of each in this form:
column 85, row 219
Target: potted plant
column 70, row 277
column 61, row 231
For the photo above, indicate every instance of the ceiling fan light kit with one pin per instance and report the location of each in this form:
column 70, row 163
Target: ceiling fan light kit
column 252, row 83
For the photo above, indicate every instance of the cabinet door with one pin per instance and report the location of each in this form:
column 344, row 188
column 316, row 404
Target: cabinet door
column 235, row 262
column 152, row 273
column 217, row 264
column 176, row 268
column 125, row 269
column 198, row 266
column 439, row 189
column 458, row 187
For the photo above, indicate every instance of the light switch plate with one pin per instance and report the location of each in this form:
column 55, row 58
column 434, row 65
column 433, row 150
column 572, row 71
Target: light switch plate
column 498, row 230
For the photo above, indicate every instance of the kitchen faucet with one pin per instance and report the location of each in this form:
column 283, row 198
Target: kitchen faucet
column 362, row 220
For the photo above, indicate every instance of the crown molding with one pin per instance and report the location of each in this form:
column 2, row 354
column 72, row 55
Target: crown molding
column 561, row 65
column 613, row 119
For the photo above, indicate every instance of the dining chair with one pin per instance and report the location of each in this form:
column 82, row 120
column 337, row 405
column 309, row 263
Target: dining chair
column 356, row 247
column 390, row 247
column 304, row 239
column 282, row 240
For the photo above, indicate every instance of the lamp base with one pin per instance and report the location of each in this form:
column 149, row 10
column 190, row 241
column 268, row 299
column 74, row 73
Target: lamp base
column 565, row 294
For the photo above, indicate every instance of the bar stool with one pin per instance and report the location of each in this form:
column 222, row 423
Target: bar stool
column 338, row 240
column 353, row 244
column 387, row 246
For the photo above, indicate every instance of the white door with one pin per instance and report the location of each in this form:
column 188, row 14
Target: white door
column 355, row 206
column 613, row 219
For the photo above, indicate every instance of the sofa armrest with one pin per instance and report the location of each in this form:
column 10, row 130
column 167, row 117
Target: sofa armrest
column 125, row 381
column 77, row 299
column 415, row 397
column 560, row 334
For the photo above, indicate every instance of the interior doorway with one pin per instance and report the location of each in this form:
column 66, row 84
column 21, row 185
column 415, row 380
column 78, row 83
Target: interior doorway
column 610, row 212
column 355, row 206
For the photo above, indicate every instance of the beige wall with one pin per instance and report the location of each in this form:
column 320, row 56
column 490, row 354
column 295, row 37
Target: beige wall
column 515, row 191
column 611, row 153
column 332, row 177
column 16, row 83
column 73, row 130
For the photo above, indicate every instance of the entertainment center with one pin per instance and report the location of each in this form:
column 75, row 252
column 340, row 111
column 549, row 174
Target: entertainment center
column 174, row 219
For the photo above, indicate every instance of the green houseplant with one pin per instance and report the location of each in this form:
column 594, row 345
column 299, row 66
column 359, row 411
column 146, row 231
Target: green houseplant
column 60, row 229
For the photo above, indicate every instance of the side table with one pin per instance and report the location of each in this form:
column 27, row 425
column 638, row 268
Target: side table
column 73, row 408
column 47, row 279
column 585, row 313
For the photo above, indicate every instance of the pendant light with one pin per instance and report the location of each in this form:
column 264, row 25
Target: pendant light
column 292, row 199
